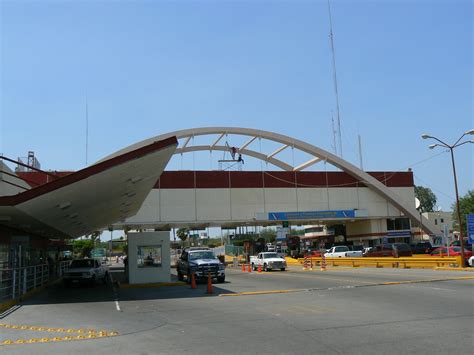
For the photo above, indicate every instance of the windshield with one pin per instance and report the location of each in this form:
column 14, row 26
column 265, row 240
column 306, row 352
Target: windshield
column 81, row 263
column 201, row 255
column 270, row 255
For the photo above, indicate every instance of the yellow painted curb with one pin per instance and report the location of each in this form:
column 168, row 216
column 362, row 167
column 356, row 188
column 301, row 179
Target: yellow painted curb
column 250, row 293
column 7, row 305
column 471, row 269
column 153, row 285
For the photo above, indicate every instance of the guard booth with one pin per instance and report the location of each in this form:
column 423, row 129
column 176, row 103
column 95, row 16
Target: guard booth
column 149, row 257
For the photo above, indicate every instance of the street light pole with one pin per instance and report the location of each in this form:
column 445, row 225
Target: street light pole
column 451, row 148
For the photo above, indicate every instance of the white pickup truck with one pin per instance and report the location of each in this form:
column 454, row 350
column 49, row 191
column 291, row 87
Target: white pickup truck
column 342, row 252
column 86, row 270
column 268, row 261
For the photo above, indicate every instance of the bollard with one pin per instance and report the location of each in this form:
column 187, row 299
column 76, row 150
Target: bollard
column 209, row 284
column 323, row 263
column 193, row 281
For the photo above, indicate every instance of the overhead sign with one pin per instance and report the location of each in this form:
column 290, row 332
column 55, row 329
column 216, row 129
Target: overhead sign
column 290, row 216
column 470, row 227
column 282, row 233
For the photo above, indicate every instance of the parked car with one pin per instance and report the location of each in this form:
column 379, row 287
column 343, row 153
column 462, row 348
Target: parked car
column 467, row 245
column 270, row 247
column 422, row 248
column 314, row 253
column 86, row 271
column 394, row 250
column 470, row 262
column 379, row 251
column 401, row 249
column 268, row 261
column 453, row 251
column 201, row 262
column 342, row 252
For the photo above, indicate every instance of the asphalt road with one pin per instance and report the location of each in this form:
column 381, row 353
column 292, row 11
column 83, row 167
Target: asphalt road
column 366, row 311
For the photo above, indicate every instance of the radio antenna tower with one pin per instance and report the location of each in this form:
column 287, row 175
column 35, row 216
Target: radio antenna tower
column 334, row 143
column 331, row 37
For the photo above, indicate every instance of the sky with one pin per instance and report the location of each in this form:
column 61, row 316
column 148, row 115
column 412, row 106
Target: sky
column 145, row 68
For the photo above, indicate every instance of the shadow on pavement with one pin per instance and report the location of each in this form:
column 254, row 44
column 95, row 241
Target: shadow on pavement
column 59, row 293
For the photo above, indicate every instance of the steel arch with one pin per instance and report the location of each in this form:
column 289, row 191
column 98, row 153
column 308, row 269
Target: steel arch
column 318, row 154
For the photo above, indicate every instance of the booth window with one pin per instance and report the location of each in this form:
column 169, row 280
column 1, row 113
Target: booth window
column 149, row 256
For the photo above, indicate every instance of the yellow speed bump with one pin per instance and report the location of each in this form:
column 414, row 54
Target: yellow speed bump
column 83, row 334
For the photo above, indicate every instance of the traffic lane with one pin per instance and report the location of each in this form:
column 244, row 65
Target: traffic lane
column 58, row 307
column 362, row 320
column 411, row 318
column 338, row 320
column 294, row 279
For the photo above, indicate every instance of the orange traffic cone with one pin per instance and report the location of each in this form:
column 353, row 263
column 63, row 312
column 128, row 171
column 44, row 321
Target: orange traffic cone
column 209, row 284
column 193, row 281
column 243, row 267
column 259, row 268
column 249, row 268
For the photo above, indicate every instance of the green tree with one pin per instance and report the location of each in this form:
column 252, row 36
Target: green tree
column 427, row 198
column 182, row 234
column 269, row 234
column 82, row 247
column 466, row 206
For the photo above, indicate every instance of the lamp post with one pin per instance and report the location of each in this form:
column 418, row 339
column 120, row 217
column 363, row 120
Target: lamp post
column 451, row 148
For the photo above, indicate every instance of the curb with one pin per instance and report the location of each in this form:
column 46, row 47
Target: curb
column 9, row 304
column 470, row 269
column 152, row 285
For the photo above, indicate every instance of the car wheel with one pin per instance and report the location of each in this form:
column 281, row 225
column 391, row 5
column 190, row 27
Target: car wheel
column 265, row 268
column 253, row 267
column 282, row 269
column 221, row 279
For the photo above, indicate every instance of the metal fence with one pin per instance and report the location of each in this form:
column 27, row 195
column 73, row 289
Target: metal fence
column 15, row 282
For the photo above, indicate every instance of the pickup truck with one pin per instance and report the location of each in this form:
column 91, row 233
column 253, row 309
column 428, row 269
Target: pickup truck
column 342, row 252
column 86, row 270
column 268, row 261
column 201, row 262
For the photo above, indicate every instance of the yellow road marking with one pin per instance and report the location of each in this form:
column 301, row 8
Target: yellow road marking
column 51, row 330
column 313, row 276
column 56, row 339
column 387, row 283
column 83, row 334
column 260, row 292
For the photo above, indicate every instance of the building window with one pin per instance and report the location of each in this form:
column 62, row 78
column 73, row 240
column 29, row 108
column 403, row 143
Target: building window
column 149, row 256
column 394, row 224
column 442, row 220
column 436, row 221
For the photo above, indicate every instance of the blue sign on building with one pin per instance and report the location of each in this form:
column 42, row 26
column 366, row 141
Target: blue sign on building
column 470, row 227
column 291, row 216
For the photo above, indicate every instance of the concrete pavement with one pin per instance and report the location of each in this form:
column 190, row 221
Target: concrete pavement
column 375, row 311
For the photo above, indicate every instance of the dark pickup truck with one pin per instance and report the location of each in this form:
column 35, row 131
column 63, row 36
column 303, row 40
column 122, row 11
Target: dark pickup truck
column 201, row 262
